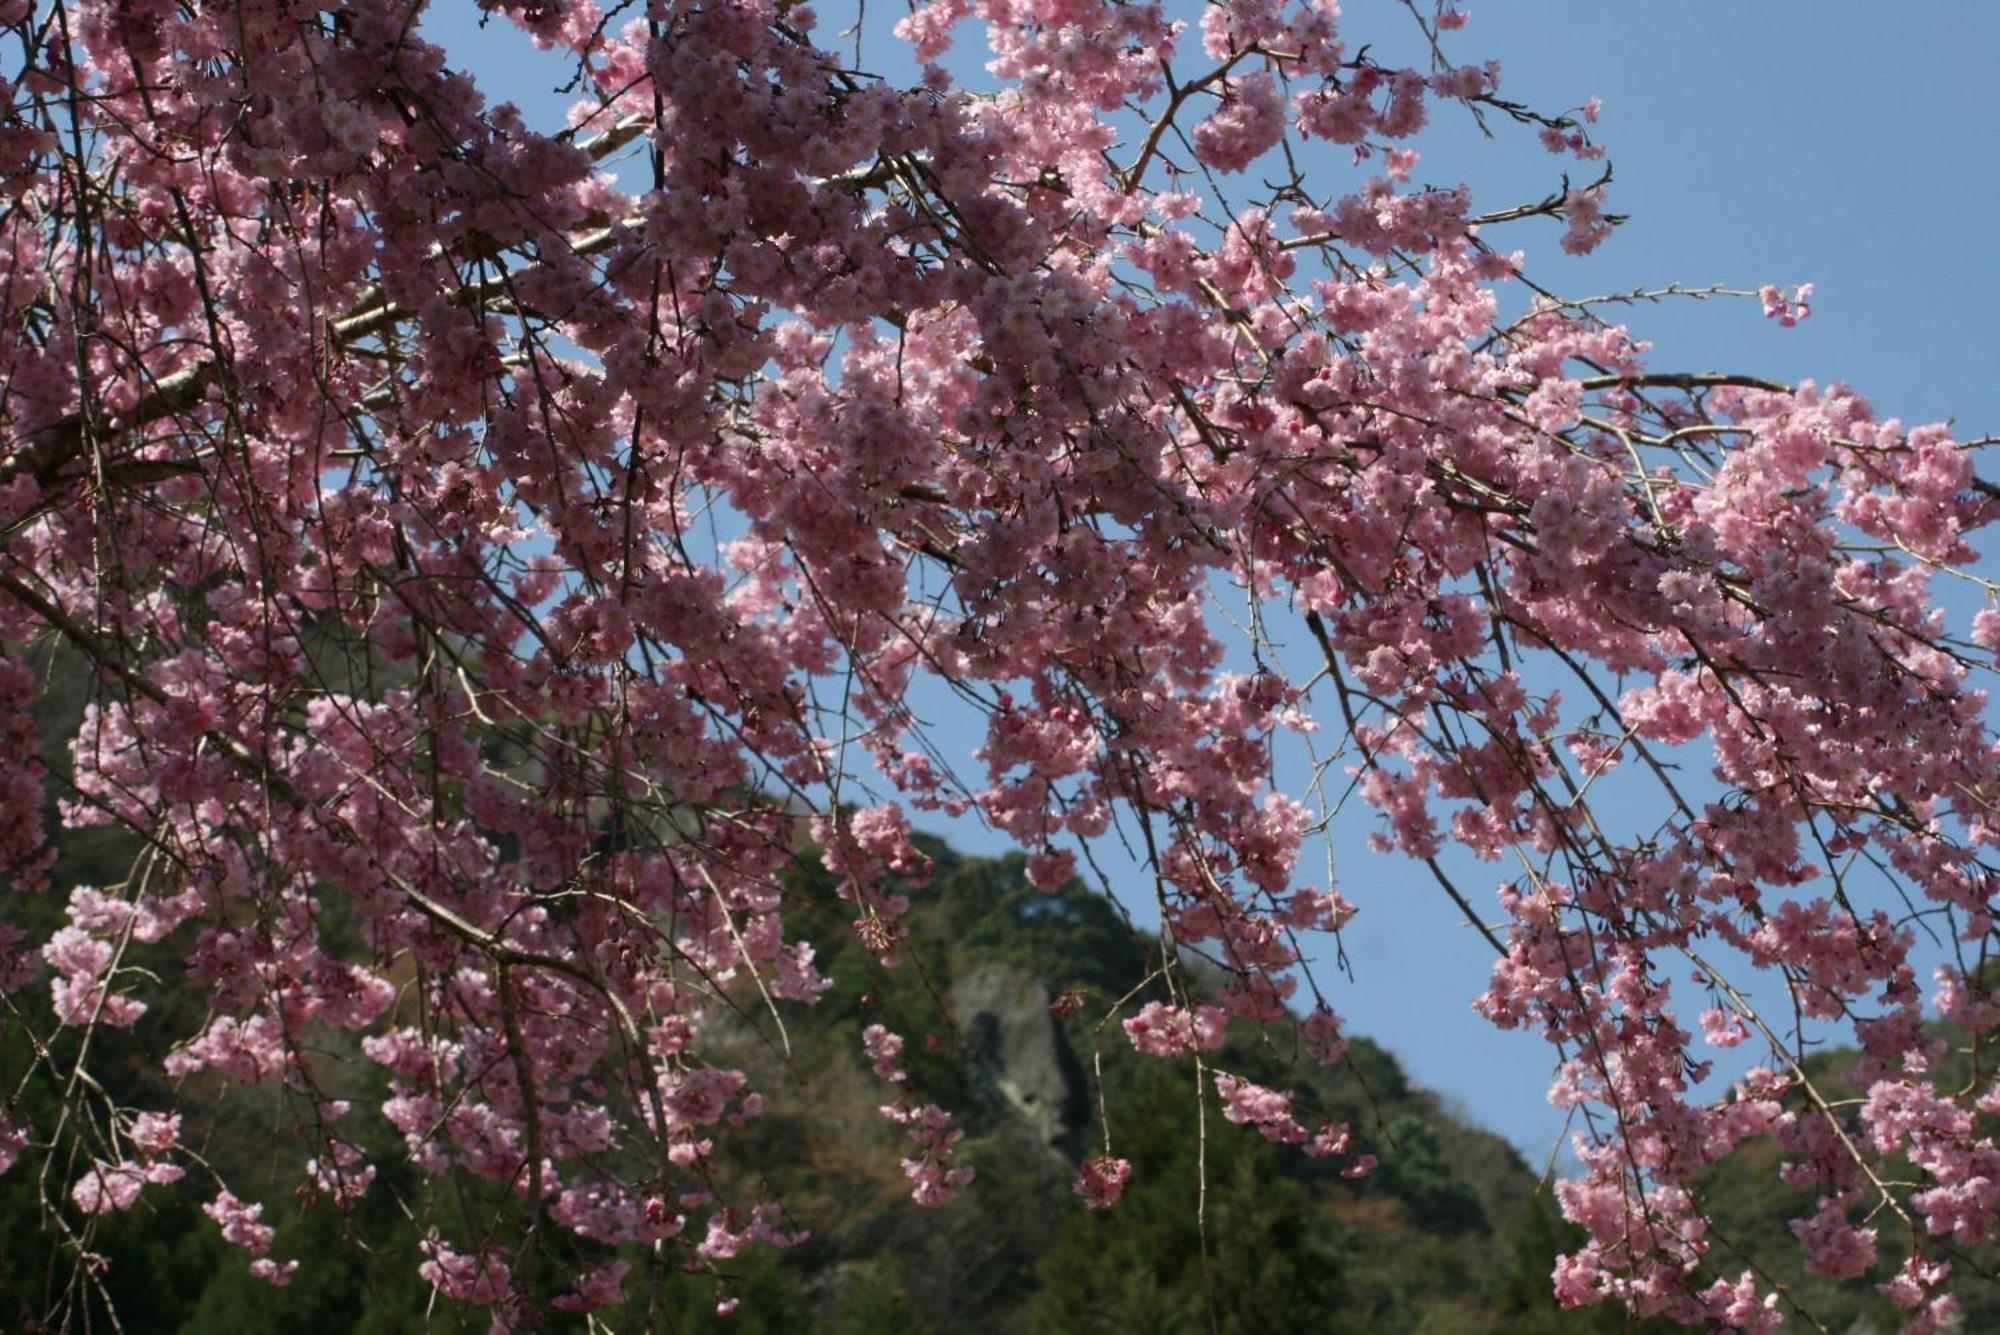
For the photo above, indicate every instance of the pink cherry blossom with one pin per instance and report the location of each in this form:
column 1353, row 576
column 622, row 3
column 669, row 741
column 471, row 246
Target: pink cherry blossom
column 1787, row 310
column 1101, row 1181
column 106, row 1187
column 933, row 1181
column 884, row 1051
column 13, row 1139
column 1166, row 1031
column 155, row 1133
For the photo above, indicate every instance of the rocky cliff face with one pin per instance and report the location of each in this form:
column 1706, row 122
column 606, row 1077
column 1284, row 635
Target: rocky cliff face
column 1002, row 1013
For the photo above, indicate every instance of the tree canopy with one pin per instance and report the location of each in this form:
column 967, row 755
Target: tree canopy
column 484, row 555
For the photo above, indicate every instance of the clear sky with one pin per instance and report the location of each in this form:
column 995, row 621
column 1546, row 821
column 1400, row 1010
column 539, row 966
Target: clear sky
column 1851, row 145
column 1854, row 146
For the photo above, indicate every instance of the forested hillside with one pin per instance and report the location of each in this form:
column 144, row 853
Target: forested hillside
column 1447, row 1233
column 1450, row 1232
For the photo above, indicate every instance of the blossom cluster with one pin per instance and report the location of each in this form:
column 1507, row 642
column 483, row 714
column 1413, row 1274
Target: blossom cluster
column 494, row 561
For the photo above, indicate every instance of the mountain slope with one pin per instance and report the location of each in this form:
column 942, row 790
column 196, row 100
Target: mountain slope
column 1449, row 1233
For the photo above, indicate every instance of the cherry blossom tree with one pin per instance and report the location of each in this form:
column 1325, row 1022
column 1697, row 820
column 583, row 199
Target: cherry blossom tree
column 499, row 549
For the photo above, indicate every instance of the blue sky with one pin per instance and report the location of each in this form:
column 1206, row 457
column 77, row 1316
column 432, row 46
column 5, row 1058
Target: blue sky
column 1828, row 143
column 1844, row 144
